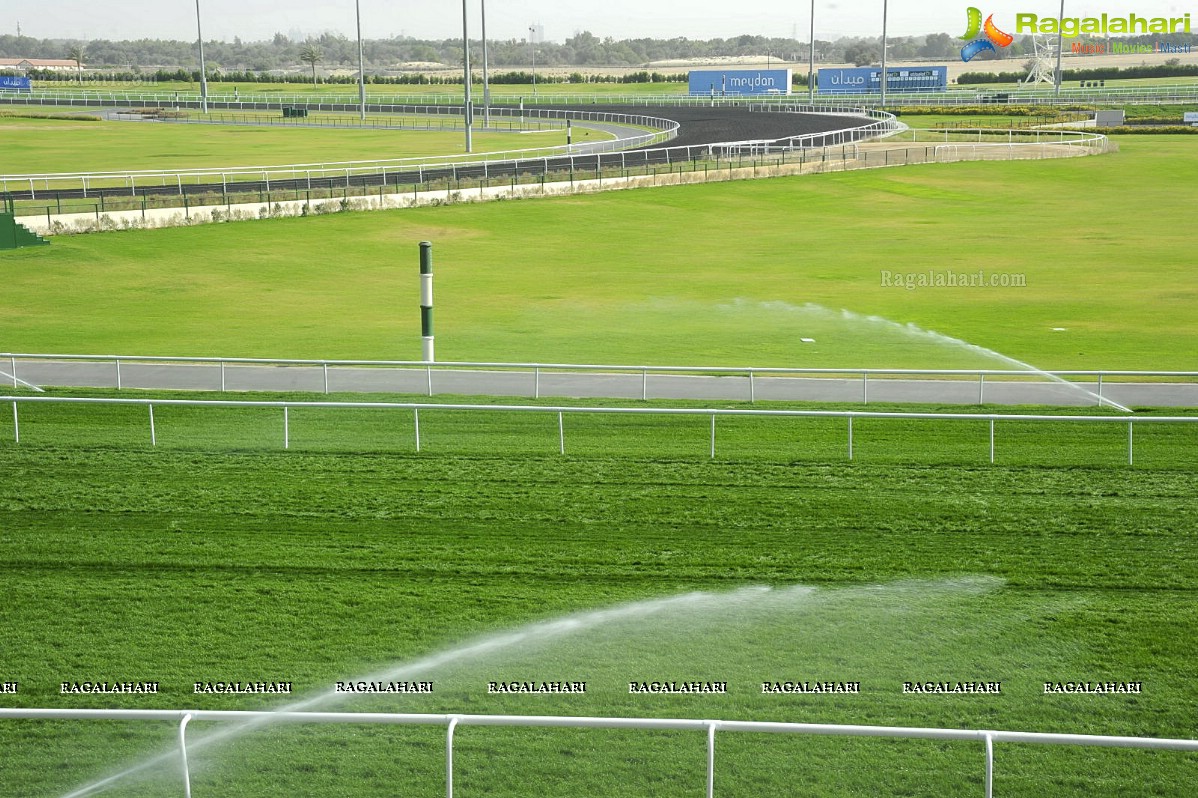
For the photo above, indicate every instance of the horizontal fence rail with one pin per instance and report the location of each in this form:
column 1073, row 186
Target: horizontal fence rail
column 250, row 719
column 114, row 371
column 1071, row 92
column 563, row 410
column 621, row 152
column 656, row 130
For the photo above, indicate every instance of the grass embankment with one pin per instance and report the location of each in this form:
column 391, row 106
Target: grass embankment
column 732, row 273
column 218, row 556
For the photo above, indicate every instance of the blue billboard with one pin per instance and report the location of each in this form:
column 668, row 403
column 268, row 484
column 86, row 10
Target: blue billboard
column 868, row 80
column 740, row 81
column 15, row 84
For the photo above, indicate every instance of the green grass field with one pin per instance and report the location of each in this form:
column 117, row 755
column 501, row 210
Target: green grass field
column 47, row 146
column 219, row 556
column 731, row 273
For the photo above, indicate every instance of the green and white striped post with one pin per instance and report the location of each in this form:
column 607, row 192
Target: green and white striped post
column 426, row 301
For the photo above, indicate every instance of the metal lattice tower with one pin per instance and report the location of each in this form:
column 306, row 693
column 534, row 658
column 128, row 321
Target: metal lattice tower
column 1043, row 62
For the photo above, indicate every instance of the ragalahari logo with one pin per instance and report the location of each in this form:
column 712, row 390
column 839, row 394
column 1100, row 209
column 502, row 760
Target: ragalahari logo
column 981, row 37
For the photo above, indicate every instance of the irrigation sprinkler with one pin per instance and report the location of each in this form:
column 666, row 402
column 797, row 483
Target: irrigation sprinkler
column 426, row 301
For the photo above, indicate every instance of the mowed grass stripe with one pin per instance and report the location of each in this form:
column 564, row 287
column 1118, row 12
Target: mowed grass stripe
column 314, row 566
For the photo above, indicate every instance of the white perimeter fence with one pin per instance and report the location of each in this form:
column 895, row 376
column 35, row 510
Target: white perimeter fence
column 521, row 379
column 1071, row 92
column 622, row 153
column 563, row 411
column 657, row 130
column 710, row 727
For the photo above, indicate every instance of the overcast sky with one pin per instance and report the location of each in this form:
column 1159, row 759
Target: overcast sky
column 254, row 20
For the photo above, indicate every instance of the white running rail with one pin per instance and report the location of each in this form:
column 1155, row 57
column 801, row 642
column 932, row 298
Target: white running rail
column 709, row 727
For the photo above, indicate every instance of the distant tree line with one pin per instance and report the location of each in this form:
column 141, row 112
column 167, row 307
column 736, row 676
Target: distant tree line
column 409, row 79
column 1166, row 70
column 583, row 50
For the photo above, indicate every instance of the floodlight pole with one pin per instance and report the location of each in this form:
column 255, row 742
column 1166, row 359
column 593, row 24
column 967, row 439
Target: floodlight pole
column 533, row 46
column 486, row 76
column 884, row 17
column 466, row 109
column 1058, row 79
column 361, row 66
column 203, row 67
column 811, row 60
column 426, row 301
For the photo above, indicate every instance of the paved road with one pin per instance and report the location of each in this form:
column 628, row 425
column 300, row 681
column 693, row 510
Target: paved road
column 627, row 385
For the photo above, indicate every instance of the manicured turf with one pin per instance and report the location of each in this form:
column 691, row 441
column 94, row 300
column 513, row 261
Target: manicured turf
column 717, row 274
column 40, row 146
column 218, row 556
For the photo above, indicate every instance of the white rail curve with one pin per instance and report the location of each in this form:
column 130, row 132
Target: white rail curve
column 987, row 737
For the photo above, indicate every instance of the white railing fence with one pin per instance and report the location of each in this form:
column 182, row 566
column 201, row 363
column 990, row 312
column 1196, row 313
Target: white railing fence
column 329, row 375
column 621, row 152
column 657, row 130
column 710, row 727
column 562, row 411
column 996, row 94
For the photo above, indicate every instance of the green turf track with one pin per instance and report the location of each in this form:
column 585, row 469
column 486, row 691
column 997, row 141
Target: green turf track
column 219, row 556
column 714, row 274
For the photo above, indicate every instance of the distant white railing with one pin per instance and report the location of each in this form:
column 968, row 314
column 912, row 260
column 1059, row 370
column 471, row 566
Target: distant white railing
column 326, row 370
column 996, row 94
column 657, row 131
column 563, row 410
column 249, row 719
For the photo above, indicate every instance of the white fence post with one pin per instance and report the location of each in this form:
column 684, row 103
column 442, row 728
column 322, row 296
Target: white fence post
column 1130, row 447
column 183, row 755
column 453, row 724
column 713, row 436
column 536, row 383
column 561, row 433
column 710, row 760
column 981, row 389
column 286, row 428
column 864, row 388
column 850, row 437
column 16, row 425
column 991, row 440
column 752, row 388
column 989, row 765
column 118, row 373
column 416, row 420
column 326, row 378
column 153, row 431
